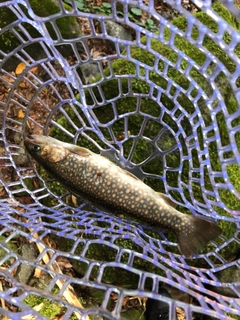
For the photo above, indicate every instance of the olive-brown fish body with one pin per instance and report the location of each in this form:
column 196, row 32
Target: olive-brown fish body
column 100, row 182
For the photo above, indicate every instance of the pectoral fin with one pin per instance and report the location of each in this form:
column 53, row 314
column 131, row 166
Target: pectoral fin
column 167, row 199
column 79, row 150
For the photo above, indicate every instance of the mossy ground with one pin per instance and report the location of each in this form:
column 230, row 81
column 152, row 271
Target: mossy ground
column 48, row 308
column 9, row 41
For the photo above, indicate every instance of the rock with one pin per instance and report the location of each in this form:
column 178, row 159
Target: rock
column 89, row 71
column 21, row 158
column 25, row 271
column 117, row 31
column 17, row 137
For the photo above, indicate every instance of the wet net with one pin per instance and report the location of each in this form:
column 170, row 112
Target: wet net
column 154, row 86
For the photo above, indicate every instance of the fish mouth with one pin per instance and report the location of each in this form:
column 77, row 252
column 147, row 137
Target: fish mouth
column 29, row 140
column 35, row 138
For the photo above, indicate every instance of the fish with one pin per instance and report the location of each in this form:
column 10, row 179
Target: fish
column 102, row 183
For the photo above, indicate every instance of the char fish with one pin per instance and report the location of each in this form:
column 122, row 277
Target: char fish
column 99, row 181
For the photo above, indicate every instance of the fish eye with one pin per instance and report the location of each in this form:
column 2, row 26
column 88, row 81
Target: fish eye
column 36, row 148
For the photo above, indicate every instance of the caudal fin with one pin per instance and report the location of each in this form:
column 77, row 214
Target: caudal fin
column 200, row 232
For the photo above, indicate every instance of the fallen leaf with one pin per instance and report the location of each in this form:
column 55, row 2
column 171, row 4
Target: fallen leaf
column 38, row 273
column 74, row 200
column 38, row 307
column 20, row 114
column 21, row 67
column 34, row 70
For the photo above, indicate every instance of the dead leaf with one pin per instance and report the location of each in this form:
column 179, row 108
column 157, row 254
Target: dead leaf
column 1, row 299
column 8, row 78
column 65, row 265
column 121, row 137
column 30, row 316
column 74, row 200
column 38, row 273
column 20, row 114
column 25, row 200
column 34, row 70
column 21, row 67
column 38, row 307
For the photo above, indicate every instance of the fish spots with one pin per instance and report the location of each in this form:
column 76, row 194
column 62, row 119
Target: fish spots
column 101, row 182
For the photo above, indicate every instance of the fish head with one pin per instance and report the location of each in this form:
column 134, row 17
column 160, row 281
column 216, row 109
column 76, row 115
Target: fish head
column 45, row 150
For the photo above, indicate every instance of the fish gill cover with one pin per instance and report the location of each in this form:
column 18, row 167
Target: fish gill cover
column 154, row 87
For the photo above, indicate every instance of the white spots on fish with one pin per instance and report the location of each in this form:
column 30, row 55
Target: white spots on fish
column 105, row 184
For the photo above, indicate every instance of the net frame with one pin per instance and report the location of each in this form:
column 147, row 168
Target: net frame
column 187, row 277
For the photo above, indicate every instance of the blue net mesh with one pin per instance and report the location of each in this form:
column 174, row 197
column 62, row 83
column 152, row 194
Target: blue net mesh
column 164, row 106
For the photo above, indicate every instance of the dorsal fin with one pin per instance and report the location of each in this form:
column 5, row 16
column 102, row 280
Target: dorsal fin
column 79, row 150
column 167, row 199
column 129, row 174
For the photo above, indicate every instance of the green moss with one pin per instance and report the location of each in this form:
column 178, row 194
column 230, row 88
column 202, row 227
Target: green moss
column 11, row 246
column 8, row 40
column 138, row 108
column 134, row 314
column 48, row 308
column 47, row 8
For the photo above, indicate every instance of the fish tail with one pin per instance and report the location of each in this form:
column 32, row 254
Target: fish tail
column 196, row 235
